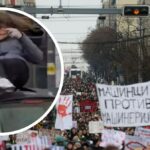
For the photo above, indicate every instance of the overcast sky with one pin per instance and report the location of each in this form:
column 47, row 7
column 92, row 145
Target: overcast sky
column 70, row 27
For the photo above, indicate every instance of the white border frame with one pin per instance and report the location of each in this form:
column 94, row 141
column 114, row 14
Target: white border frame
column 62, row 72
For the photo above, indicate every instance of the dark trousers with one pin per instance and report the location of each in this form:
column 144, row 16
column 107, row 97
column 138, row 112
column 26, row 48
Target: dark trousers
column 16, row 71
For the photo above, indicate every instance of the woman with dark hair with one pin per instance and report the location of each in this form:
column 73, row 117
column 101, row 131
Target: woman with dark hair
column 73, row 133
column 16, row 49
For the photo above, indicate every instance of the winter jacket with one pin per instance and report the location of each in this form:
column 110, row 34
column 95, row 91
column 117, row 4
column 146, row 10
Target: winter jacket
column 22, row 48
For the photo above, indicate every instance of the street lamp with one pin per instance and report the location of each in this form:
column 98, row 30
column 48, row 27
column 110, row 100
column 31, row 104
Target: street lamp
column 101, row 19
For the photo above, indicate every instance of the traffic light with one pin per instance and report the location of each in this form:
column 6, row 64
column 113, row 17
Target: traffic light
column 45, row 17
column 138, row 10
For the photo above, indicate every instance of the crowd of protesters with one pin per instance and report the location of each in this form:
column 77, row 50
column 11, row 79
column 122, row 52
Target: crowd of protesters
column 79, row 138
column 82, row 88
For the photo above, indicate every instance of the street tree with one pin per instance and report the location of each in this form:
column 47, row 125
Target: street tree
column 112, row 54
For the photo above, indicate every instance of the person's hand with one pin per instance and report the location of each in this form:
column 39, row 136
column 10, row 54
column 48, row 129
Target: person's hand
column 14, row 33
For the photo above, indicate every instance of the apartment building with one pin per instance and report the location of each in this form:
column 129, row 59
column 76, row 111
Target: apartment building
column 107, row 20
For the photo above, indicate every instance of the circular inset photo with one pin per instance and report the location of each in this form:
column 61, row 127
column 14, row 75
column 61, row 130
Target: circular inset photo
column 31, row 71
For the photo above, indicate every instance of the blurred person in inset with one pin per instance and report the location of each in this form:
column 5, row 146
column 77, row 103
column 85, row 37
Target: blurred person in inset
column 16, row 49
column 148, row 147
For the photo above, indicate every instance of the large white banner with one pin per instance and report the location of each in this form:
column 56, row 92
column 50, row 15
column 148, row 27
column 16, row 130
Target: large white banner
column 64, row 112
column 124, row 106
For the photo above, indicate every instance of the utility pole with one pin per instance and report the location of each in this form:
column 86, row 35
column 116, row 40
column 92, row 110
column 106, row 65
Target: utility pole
column 140, row 52
column 60, row 4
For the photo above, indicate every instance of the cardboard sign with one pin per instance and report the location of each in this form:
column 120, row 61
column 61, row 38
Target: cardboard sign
column 96, row 126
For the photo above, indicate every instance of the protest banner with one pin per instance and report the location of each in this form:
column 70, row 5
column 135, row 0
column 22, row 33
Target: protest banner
column 125, row 106
column 29, row 147
column 112, row 137
column 142, row 132
column 135, row 143
column 25, row 137
column 35, row 143
column 96, row 126
column 4, row 138
column 88, row 106
column 32, row 140
column 64, row 112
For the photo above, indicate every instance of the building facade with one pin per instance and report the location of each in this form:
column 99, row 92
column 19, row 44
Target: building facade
column 74, row 58
column 109, row 20
column 17, row 2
